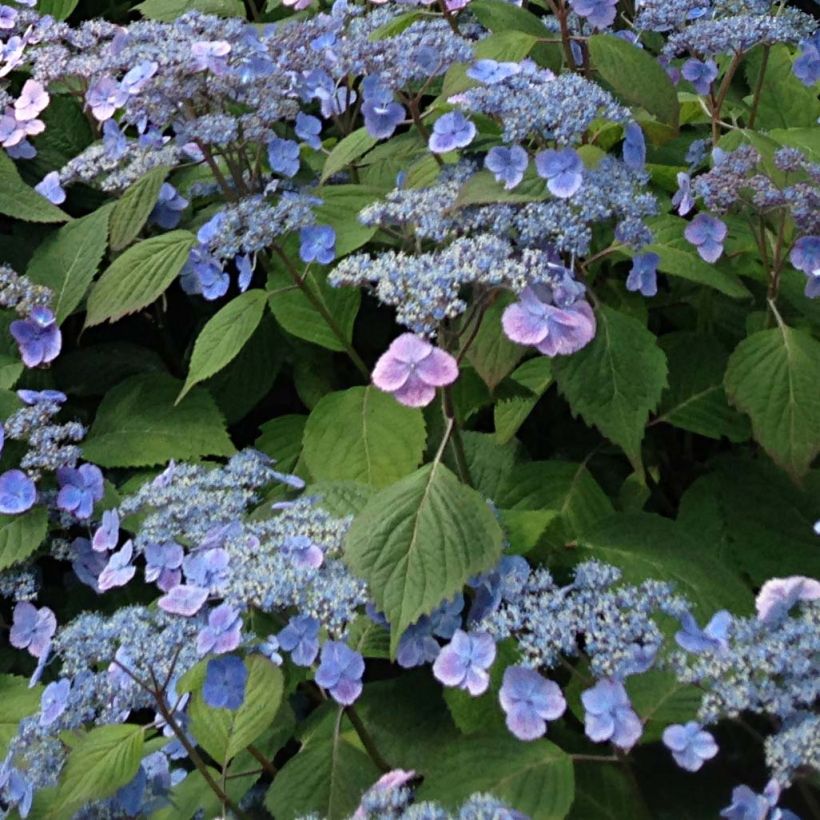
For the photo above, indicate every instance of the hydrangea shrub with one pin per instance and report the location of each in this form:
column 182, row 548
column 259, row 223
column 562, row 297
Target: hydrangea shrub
column 409, row 409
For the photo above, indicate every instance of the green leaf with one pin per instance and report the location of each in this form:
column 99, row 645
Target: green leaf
column 417, row 542
column 679, row 258
column 281, row 438
column 223, row 733
column 67, row 260
column 10, row 369
column 93, row 371
column 606, row 793
column 505, row 46
column 101, row 762
column 249, row 377
column 58, row 9
column 19, row 701
column 567, row 488
column 695, row 399
column 491, row 353
column 224, row 335
column 536, row 778
column 167, row 10
column 327, row 776
column 616, row 380
column 138, row 424
column 784, row 101
column 396, row 26
column 342, row 498
column 527, row 384
column 134, row 207
column 138, row 277
column 773, row 375
column 754, row 519
column 481, row 189
column 636, row 76
column 298, row 315
column 20, row 535
column 21, row 202
column 340, row 209
column 497, row 15
column 488, row 462
column 645, row 546
column 347, row 150
column 363, row 434
column 660, row 700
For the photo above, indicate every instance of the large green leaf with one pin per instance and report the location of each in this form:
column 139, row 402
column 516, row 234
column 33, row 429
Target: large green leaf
column 21, row 202
column 281, row 439
column 298, row 315
column 536, row 778
column 138, row 277
column 526, row 384
column 754, row 519
column 784, row 102
column 19, row 700
column 67, row 260
column 101, row 762
column 138, row 424
column 616, row 380
column 340, row 209
column 567, row 488
column 58, row 9
column 606, row 792
column 496, row 15
column 327, row 776
column 677, row 257
column 347, row 150
column 363, row 434
column 223, row 733
column 134, row 207
column 636, row 76
column 20, row 535
column 647, row 546
column 417, row 542
column 482, row 189
column 491, row 353
column 773, row 375
column 695, row 399
column 659, row 699
column 224, row 335
column 167, row 10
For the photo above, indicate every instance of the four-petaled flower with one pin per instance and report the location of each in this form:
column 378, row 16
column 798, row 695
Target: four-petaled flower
column 283, row 156
column 119, row 570
column 79, row 489
column 223, row 632
column 169, row 207
column 713, row 637
column 317, row 244
column 340, row 672
column 225, row 680
column 412, row 368
column 303, row 551
column 54, row 701
column 778, row 595
column 552, row 330
column 609, row 715
column 700, row 74
column 301, row 638
column 690, row 744
column 805, row 256
column 38, row 337
column 32, row 628
column 465, row 660
column 634, row 147
column 563, row 170
column 598, row 13
column 643, row 276
column 17, row 492
column 451, row 131
column 529, row 701
column 707, row 234
column 507, row 164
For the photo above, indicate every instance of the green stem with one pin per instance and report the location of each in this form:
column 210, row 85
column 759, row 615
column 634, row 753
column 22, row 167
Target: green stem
column 455, row 436
column 367, row 739
column 322, row 310
column 759, row 86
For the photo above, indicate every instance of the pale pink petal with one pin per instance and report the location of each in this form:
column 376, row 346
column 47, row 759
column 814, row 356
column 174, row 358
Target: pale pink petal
column 390, row 374
column 439, row 368
column 522, row 326
column 410, row 348
column 415, row 392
